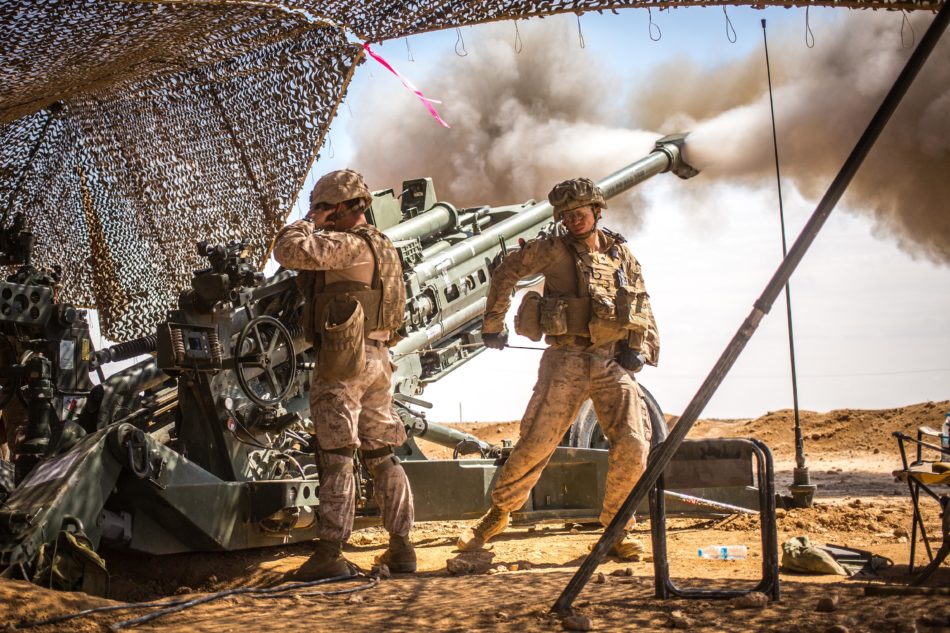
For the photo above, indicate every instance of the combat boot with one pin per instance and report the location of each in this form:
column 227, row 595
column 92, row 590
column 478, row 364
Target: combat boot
column 400, row 556
column 492, row 524
column 326, row 562
column 629, row 548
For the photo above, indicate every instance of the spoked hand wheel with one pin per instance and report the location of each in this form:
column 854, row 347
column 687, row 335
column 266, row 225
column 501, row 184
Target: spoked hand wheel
column 255, row 359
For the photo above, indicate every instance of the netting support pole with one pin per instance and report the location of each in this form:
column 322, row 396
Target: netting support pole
column 54, row 109
column 229, row 128
column 615, row 531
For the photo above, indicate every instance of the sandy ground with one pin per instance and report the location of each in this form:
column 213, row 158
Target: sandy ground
column 850, row 454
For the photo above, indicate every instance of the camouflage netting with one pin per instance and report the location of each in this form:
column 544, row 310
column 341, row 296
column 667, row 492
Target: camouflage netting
column 131, row 130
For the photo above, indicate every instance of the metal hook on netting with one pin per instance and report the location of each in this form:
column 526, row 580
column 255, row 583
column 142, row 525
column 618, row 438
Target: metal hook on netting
column 653, row 25
column 409, row 51
column 913, row 35
column 460, row 44
column 732, row 38
column 519, row 44
column 809, row 36
column 580, row 32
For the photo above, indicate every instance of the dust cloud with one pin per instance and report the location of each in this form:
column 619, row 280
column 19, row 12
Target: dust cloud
column 523, row 122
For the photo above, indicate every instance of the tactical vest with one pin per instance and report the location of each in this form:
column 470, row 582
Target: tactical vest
column 383, row 302
column 604, row 309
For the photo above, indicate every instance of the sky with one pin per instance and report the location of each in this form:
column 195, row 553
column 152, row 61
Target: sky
column 870, row 300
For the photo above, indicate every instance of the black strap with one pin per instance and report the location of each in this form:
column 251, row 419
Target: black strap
column 377, row 452
column 345, row 451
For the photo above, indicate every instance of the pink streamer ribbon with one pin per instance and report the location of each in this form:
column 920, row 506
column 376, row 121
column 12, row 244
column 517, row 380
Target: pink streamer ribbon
column 426, row 101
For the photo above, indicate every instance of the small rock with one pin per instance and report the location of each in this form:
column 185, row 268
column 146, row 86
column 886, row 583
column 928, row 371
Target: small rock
column 501, row 615
column 599, row 578
column 902, row 539
column 457, row 566
column 827, row 604
column 780, row 513
column 837, row 628
column 361, row 539
column 574, row 531
column 899, row 532
column 578, row 623
column 381, row 571
column 355, row 599
column 618, row 572
column 877, row 451
column 183, row 590
column 752, row 600
column 679, row 620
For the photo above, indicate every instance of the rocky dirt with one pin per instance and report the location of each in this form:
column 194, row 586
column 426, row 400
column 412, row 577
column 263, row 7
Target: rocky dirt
column 512, row 586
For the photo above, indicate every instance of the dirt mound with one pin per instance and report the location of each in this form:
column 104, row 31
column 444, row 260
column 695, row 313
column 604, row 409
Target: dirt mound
column 836, row 431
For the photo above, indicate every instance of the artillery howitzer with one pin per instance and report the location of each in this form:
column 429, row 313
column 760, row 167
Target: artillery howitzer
column 207, row 445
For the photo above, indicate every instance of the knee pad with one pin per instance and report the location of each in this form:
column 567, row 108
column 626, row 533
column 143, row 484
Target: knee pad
column 332, row 463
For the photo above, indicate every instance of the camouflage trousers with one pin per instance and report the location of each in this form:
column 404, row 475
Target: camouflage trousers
column 568, row 375
column 357, row 414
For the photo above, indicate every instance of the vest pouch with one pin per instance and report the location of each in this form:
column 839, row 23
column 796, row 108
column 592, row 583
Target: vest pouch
column 528, row 318
column 554, row 316
column 629, row 307
column 341, row 354
column 625, row 304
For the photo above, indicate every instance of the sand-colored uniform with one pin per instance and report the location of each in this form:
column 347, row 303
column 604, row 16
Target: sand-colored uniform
column 574, row 368
column 355, row 413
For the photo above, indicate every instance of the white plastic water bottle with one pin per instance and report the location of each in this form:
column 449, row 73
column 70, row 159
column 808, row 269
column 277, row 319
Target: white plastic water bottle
column 945, row 437
column 724, row 552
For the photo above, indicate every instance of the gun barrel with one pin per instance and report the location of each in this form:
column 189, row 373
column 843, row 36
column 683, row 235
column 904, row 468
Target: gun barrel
column 440, row 218
column 667, row 156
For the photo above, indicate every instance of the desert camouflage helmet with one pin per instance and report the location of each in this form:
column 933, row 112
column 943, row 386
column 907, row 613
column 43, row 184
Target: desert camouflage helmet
column 575, row 193
column 340, row 186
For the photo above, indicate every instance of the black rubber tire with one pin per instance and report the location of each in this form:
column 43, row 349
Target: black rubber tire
column 586, row 432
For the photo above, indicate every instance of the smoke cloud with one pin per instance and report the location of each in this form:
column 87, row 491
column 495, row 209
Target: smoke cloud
column 523, row 122
column 520, row 123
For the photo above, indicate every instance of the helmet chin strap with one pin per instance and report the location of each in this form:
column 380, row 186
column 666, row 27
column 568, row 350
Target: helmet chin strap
column 583, row 236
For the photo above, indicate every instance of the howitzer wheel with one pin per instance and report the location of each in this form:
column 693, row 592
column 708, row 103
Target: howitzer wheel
column 265, row 335
column 586, row 431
